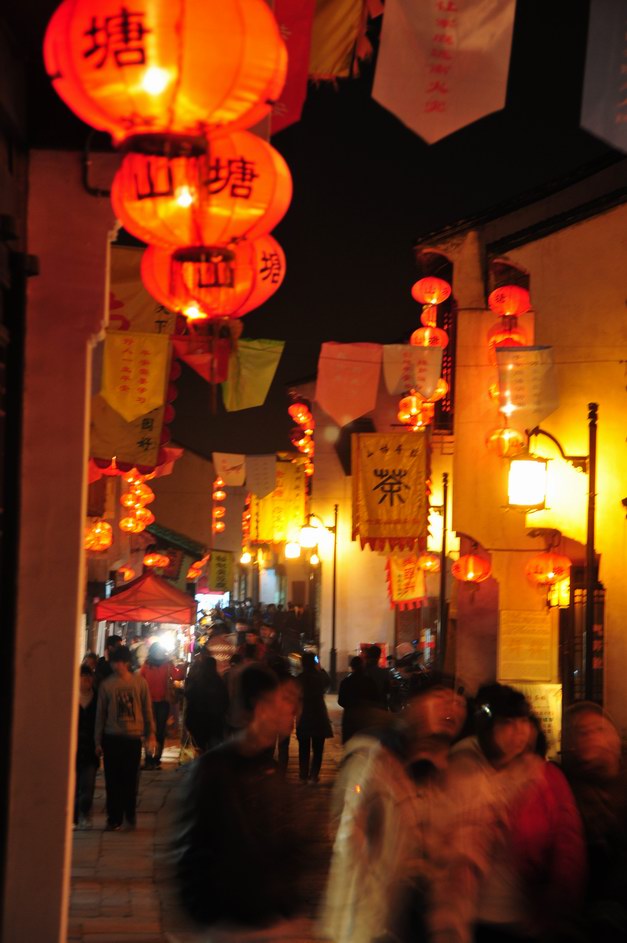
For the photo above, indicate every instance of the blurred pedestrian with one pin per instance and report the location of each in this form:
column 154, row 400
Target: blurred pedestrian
column 387, row 803
column 103, row 666
column 238, row 861
column 87, row 761
column 206, row 703
column 123, row 719
column 381, row 676
column 357, row 695
column 594, row 763
column 156, row 673
column 314, row 726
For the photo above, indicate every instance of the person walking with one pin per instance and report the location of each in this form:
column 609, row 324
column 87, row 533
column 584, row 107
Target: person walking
column 123, row 719
column 313, row 726
column 381, row 676
column 104, row 669
column 156, row 673
column 357, row 695
column 206, row 703
column 87, row 761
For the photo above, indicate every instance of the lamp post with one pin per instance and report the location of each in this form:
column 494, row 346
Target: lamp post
column 307, row 536
column 440, row 642
column 586, row 463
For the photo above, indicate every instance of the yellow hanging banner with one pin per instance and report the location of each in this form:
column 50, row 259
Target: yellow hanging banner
column 134, row 372
column 220, row 571
column 281, row 514
column 406, row 581
column 390, row 473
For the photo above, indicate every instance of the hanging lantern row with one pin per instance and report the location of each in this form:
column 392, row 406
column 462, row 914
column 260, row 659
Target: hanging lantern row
column 134, row 500
column 98, row 536
column 302, row 435
column 509, row 302
column 218, row 525
column 417, row 412
column 165, row 68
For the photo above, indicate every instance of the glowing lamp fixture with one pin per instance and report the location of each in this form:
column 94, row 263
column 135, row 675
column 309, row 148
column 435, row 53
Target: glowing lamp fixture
column 309, row 534
column 314, row 559
column 246, row 558
column 527, row 482
column 292, row 550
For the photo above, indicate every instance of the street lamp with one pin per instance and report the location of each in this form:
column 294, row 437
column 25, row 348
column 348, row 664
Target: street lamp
column 309, row 540
column 587, row 463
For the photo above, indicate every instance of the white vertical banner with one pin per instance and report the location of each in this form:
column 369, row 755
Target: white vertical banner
column 443, row 64
column 604, row 106
column 406, row 367
column 527, row 384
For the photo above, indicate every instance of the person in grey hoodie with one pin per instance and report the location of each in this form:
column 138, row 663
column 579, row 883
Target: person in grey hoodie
column 123, row 719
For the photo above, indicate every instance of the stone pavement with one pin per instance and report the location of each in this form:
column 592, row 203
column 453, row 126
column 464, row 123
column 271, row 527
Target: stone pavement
column 121, row 889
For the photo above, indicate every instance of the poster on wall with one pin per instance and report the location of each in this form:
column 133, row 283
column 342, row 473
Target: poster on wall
column 525, row 645
column 546, row 704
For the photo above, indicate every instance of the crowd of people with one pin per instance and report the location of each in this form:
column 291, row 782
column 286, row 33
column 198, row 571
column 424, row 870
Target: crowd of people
column 449, row 823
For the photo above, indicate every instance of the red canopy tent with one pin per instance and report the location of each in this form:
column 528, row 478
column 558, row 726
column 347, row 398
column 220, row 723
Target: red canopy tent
column 148, row 599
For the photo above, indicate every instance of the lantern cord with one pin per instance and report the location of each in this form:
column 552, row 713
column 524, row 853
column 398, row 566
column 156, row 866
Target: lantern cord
column 86, row 163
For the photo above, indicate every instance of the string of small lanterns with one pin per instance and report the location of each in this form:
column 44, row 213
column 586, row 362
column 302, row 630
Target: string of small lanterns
column 509, row 302
column 218, row 510
column 302, row 435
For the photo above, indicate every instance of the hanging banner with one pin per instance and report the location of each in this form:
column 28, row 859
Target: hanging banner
column 604, row 105
column 390, row 474
column 220, row 571
column 261, row 474
column 280, row 515
column 406, row 581
column 230, row 467
column 336, row 27
column 133, row 443
column 527, row 384
column 295, row 19
column 406, row 367
column 348, row 379
column 131, row 307
column 134, row 372
column 251, row 371
column 443, row 64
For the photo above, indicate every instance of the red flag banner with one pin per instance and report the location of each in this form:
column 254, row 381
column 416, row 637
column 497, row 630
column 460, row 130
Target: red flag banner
column 348, row 378
column 443, row 64
column 406, row 581
column 390, row 489
column 604, row 106
column 295, row 19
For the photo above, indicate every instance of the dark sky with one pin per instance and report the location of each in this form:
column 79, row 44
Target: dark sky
column 366, row 188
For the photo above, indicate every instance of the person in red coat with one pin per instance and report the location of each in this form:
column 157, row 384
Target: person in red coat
column 156, row 673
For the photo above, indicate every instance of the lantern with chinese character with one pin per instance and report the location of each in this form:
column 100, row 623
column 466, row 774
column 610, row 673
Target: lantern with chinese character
column 429, row 337
column 98, row 536
column 241, row 188
column 471, row 569
column 217, row 281
column 431, row 290
column 509, row 301
column 546, row 569
column 157, row 67
column 505, row 442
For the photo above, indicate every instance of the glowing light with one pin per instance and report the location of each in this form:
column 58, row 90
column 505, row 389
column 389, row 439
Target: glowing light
column 246, row 558
column 155, row 80
column 292, row 550
column 184, row 196
column 314, row 559
column 527, row 482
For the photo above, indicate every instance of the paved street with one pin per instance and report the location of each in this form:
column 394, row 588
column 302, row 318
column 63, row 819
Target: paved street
column 121, row 886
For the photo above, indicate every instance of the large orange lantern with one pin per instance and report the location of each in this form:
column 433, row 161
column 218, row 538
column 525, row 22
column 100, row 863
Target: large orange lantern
column 548, row 568
column 509, row 301
column 429, row 337
column 240, row 188
column 505, row 442
column 471, row 569
column 431, row 291
column 215, row 282
column 158, row 66
column 98, row 536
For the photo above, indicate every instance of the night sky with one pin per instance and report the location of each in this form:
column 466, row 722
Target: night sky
column 366, row 188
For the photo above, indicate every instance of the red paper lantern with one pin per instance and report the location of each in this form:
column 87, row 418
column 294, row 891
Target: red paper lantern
column 241, row 188
column 429, row 337
column 509, row 300
column 126, row 573
column 431, row 290
column 216, row 282
column 505, row 333
column 156, row 560
column 162, row 67
column 429, row 562
column 505, row 442
column 471, row 569
column 98, row 536
column 545, row 569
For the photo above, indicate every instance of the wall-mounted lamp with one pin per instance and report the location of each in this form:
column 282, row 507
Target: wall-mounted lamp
column 527, row 482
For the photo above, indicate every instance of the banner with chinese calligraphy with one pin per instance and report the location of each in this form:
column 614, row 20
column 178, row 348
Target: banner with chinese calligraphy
column 443, row 64
column 134, row 372
column 131, row 307
column 220, row 571
column 261, row 474
column 251, row 371
column 406, row 368
column 527, row 384
column 390, row 474
column 134, row 443
column 604, row 106
column 295, row 19
column 336, row 27
column 406, row 581
column 230, row 467
column 280, row 515
column 348, row 379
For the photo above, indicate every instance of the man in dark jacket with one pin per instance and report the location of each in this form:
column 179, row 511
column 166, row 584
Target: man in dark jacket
column 357, row 695
column 86, row 759
column 238, row 860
